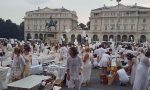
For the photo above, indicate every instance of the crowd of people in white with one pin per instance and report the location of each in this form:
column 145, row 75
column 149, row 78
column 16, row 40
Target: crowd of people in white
column 79, row 60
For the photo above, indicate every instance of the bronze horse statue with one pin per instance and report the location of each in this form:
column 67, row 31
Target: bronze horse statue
column 51, row 23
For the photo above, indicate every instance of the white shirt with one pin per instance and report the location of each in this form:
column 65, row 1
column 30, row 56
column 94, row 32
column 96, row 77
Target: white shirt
column 101, row 52
column 96, row 51
column 63, row 51
column 123, row 77
column 105, row 60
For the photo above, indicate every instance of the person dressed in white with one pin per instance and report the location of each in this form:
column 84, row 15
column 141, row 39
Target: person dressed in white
column 80, row 50
column 134, row 66
column 95, row 62
column 87, row 66
column 123, row 77
column 101, row 51
column 18, row 65
column 63, row 53
column 45, row 48
column 74, row 70
column 141, row 77
column 96, row 51
column 42, row 47
column 9, row 47
column 106, row 59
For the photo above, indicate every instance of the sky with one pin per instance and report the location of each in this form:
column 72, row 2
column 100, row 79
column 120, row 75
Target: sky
column 15, row 9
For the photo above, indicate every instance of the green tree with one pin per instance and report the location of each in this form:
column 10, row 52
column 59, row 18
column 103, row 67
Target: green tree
column 83, row 26
column 8, row 29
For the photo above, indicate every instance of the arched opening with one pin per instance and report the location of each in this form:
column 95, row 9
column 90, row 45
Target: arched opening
column 29, row 36
column 36, row 36
column 118, row 38
column 111, row 37
column 131, row 38
column 65, row 37
column 95, row 38
column 105, row 38
column 124, row 38
column 72, row 38
column 143, row 38
column 79, row 38
column 41, row 36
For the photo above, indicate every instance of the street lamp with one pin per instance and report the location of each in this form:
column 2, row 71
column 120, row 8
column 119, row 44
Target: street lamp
column 83, row 37
column 117, row 25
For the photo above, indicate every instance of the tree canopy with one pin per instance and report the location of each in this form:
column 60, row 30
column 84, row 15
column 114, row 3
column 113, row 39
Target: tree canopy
column 8, row 29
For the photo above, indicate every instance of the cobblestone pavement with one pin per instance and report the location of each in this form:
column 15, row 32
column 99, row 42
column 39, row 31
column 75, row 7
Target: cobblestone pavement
column 95, row 84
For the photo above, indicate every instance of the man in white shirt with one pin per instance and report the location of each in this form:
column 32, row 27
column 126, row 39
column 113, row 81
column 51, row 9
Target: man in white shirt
column 63, row 52
column 101, row 51
column 123, row 77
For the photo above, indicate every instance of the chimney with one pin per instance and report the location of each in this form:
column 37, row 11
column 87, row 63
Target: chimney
column 135, row 4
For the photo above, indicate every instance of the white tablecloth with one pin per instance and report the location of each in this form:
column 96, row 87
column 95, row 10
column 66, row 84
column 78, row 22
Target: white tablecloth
column 37, row 69
column 4, row 76
column 28, row 82
column 42, row 58
column 59, row 71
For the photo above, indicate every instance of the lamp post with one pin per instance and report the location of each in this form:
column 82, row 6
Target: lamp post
column 117, row 25
column 83, row 37
column 67, row 31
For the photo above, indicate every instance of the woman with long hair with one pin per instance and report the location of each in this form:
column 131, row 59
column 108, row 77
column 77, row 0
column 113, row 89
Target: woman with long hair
column 87, row 66
column 28, row 59
column 18, row 64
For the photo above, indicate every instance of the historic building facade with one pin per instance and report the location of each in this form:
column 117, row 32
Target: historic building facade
column 121, row 23
column 49, row 24
column 118, row 23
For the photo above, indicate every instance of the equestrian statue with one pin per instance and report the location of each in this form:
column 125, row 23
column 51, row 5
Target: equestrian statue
column 51, row 23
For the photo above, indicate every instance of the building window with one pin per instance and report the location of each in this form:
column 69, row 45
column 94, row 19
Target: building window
column 95, row 21
column 28, row 27
column 106, row 20
column 112, row 20
column 64, row 27
column 144, row 20
column 125, row 26
column 35, row 27
column 118, row 27
column 143, row 27
column 125, row 20
column 112, row 26
column 105, row 27
column 132, row 20
column 119, row 20
column 96, row 14
column 132, row 27
column 50, row 35
column 95, row 27
column 40, row 26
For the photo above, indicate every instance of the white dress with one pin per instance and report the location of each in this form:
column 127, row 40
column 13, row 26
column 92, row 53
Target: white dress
column 141, row 77
column 134, row 66
column 87, row 69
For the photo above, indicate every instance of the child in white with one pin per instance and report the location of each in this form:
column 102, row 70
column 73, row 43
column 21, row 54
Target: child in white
column 95, row 61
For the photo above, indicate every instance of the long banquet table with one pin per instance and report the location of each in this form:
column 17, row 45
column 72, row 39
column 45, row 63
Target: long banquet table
column 28, row 83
